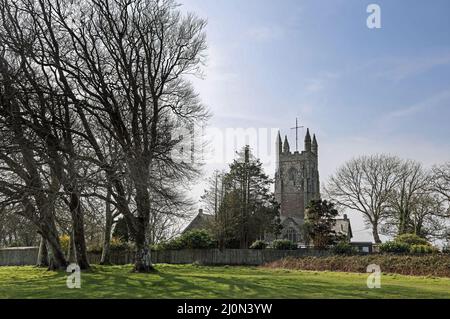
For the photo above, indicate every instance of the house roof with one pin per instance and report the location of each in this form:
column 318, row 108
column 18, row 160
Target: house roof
column 201, row 221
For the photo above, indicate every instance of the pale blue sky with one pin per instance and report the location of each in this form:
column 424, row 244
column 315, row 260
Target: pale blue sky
column 361, row 91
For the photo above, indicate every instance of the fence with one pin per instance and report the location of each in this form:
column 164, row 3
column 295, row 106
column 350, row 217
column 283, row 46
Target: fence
column 229, row 256
column 18, row 256
column 28, row 255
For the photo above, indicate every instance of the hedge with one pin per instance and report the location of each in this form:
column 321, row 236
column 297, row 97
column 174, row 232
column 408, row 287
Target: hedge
column 425, row 265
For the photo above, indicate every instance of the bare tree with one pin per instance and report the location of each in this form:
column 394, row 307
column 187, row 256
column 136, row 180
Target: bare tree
column 365, row 184
column 15, row 230
column 213, row 195
column 24, row 187
column 441, row 180
column 428, row 214
column 49, row 116
column 126, row 69
column 413, row 181
column 115, row 69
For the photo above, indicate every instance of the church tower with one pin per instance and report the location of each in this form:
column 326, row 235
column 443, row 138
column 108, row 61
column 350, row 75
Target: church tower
column 296, row 177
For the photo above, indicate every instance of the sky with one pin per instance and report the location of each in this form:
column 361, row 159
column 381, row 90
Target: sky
column 360, row 90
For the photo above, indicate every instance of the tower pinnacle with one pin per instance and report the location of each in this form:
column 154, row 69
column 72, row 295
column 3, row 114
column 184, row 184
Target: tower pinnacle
column 307, row 141
column 286, row 148
column 315, row 147
column 279, row 143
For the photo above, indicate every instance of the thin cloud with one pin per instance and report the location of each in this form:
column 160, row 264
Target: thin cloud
column 265, row 33
column 398, row 69
column 319, row 84
column 314, row 86
column 432, row 102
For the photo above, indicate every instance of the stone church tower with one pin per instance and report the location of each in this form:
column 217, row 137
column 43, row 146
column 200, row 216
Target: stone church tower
column 296, row 177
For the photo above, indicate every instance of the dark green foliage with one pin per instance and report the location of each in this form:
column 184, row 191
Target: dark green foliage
column 422, row 249
column 258, row 244
column 283, row 244
column 276, row 227
column 199, row 239
column 411, row 239
column 319, row 222
column 245, row 207
column 116, row 244
column 196, row 239
column 408, row 243
column 394, row 247
column 344, row 248
column 120, row 245
column 121, row 231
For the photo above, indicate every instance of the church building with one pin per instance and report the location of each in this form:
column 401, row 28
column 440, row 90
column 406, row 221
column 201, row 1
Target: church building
column 296, row 184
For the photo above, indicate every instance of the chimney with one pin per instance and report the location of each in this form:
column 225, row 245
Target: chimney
column 345, row 217
column 200, row 211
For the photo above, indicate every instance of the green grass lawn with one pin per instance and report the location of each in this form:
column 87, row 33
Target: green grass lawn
column 189, row 281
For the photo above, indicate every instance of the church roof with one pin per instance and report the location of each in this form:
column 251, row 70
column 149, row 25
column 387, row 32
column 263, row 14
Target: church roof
column 295, row 220
column 201, row 221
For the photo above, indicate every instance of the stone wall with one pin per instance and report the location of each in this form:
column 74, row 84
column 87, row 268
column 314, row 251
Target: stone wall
column 28, row 255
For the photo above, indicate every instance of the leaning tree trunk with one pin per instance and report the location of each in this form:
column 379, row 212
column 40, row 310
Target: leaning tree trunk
column 48, row 230
column 42, row 259
column 79, row 240
column 56, row 258
column 71, row 252
column 106, row 254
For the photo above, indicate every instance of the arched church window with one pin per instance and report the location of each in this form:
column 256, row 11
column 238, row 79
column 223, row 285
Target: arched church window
column 292, row 235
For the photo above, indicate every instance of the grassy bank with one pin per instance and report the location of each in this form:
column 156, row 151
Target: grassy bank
column 188, row 281
column 427, row 265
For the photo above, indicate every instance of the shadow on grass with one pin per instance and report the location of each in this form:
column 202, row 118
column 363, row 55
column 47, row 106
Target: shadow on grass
column 209, row 282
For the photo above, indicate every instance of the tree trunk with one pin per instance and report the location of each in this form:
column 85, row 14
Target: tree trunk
column 376, row 237
column 56, row 258
column 106, row 255
column 143, row 262
column 403, row 222
column 71, row 252
column 78, row 231
column 42, row 260
column 140, row 224
column 48, row 230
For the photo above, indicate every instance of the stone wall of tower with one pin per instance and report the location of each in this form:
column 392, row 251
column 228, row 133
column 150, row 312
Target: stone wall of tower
column 296, row 181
